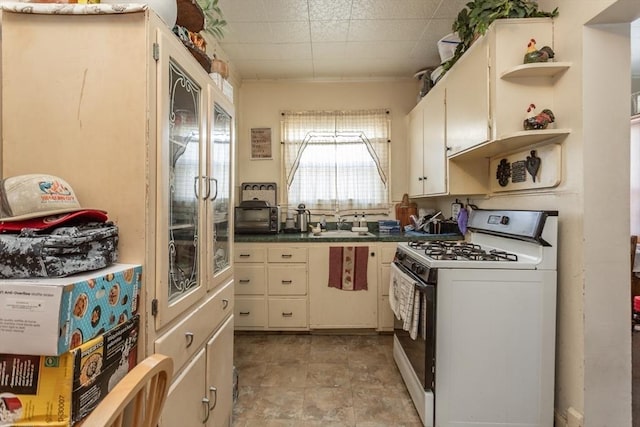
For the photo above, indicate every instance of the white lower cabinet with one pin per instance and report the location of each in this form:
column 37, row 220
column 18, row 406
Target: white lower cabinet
column 219, row 382
column 385, row 315
column 331, row 308
column 202, row 394
column 285, row 287
column 201, row 346
column 184, row 405
column 272, row 287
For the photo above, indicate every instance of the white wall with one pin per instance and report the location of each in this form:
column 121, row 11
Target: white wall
column 593, row 352
column 261, row 103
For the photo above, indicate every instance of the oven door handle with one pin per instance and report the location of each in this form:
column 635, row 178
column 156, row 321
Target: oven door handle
column 419, row 281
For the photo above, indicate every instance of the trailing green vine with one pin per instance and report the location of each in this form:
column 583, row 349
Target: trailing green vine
column 214, row 22
column 474, row 20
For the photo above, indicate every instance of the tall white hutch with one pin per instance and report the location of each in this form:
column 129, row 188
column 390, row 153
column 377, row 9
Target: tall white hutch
column 110, row 100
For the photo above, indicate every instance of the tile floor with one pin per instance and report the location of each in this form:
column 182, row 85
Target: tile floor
column 302, row 380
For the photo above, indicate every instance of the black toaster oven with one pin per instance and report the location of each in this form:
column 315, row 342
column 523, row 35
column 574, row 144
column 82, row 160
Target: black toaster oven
column 257, row 217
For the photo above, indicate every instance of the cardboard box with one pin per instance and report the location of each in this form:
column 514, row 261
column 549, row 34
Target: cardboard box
column 61, row 390
column 51, row 316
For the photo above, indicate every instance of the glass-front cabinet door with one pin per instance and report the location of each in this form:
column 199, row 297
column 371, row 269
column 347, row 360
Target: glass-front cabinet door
column 182, row 188
column 220, row 217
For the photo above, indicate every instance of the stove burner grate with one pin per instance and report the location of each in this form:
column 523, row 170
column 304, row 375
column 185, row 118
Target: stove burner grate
column 455, row 250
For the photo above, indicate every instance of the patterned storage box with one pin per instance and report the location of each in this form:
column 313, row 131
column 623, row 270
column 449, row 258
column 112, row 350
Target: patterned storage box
column 52, row 316
column 43, row 391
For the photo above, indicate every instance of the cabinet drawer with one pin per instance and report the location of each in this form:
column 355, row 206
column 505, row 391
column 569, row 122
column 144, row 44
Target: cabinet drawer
column 250, row 312
column 184, row 339
column 287, row 255
column 246, row 254
column 250, row 279
column 287, row 312
column 288, row 280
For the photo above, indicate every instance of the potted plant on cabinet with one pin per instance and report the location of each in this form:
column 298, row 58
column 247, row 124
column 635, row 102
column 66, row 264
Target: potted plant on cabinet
column 214, row 20
column 474, row 20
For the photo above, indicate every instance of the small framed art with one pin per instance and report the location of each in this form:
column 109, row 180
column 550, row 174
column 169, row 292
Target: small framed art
column 261, row 143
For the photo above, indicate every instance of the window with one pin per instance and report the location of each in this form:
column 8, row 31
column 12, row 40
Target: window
column 337, row 160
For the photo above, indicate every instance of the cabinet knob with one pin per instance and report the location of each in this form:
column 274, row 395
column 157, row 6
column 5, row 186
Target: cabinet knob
column 207, row 410
column 225, row 303
column 244, row 313
column 213, row 392
column 287, row 282
column 215, row 193
column 419, row 178
column 289, row 314
column 189, row 336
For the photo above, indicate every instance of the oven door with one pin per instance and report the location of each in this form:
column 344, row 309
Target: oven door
column 421, row 351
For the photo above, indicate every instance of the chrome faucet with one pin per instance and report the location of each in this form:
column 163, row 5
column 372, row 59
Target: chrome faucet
column 340, row 221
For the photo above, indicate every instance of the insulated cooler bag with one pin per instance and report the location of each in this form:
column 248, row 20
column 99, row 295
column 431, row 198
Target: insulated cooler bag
column 59, row 252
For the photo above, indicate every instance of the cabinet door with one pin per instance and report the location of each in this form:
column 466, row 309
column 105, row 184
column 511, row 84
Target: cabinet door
column 434, row 158
column 336, row 308
column 416, row 148
column 220, row 217
column 181, row 187
column 220, row 376
column 184, row 405
column 467, row 86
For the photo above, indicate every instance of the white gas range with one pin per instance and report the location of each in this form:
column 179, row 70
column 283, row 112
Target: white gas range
column 478, row 348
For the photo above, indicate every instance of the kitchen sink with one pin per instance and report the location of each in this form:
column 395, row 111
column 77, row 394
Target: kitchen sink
column 340, row 234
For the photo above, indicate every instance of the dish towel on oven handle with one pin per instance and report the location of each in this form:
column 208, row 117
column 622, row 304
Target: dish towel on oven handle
column 348, row 267
column 404, row 301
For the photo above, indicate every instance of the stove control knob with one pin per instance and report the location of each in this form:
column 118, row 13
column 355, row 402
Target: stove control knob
column 400, row 255
column 416, row 268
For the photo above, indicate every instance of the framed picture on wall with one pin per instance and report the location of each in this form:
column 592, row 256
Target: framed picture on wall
column 261, row 143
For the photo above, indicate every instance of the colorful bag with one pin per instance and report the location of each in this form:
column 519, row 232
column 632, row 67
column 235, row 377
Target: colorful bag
column 58, row 252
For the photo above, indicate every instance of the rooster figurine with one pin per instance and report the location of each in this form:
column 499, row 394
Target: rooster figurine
column 539, row 121
column 535, row 55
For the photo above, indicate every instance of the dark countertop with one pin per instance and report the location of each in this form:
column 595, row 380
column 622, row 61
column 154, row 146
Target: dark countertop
column 306, row 237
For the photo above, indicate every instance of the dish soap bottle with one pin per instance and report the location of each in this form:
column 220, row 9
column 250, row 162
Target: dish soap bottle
column 363, row 220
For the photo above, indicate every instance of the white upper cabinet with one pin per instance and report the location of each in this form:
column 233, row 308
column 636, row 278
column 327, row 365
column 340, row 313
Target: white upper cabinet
column 468, row 116
column 499, row 84
column 476, row 111
column 427, row 158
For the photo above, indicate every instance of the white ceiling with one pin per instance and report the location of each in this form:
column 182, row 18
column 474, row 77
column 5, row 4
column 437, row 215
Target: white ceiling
column 342, row 39
column 335, row 39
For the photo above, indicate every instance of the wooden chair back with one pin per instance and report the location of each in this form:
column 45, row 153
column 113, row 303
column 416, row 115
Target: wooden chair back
column 145, row 388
